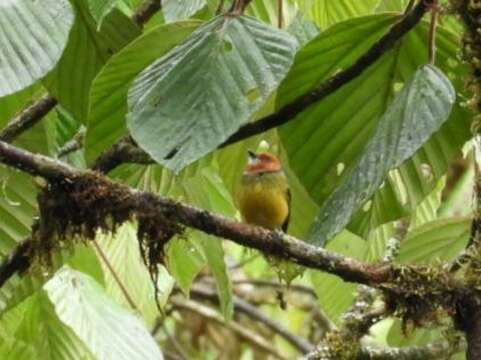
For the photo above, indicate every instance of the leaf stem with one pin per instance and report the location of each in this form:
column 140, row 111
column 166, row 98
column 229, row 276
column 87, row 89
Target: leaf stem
column 432, row 33
column 114, row 274
column 280, row 13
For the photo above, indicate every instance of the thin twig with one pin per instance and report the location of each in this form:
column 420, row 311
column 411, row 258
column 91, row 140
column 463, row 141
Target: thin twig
column 394, row 243
column 242, row 306
column 220, row 7
column 432, row 33
column 280, row 13
column 74, row 144
column 114, row 274
column 145, row 11
column 27, row 118
column 276, row 285
column 173, row 341
column 410, row 6
column 208, row 313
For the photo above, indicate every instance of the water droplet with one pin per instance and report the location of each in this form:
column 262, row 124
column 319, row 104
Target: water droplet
column 340, row 168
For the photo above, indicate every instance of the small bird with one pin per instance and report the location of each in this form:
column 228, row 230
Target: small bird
column 263, row 195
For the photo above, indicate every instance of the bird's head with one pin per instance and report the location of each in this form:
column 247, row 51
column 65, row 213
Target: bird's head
column 262, row 162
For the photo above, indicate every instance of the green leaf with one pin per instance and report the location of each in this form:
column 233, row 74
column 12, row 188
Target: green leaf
column 87, row 50
column 14, row 349
column 327, row 12
column 17, row 208
column 49, row 337
column 436, row 240
column 184, row 262
column 323, row 142
column 34, row 35
column 304, row 30
column 175, row 10
column 108, row 97
column 99, row 9
column 391, row 5
column 108, row 330
column 122, row 250
column 334, row 294
column 202, row 91
column 266, row 10
column 416, row 112
column 208, row 192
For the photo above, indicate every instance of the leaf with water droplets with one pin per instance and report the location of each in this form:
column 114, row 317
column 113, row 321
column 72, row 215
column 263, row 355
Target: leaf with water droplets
column 416, row 112
column 193, row 98
column 33, row 37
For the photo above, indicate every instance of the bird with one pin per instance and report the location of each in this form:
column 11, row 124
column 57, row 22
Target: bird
column 263, row 194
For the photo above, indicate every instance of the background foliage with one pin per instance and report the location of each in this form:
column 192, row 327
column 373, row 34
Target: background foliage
column 183, row 84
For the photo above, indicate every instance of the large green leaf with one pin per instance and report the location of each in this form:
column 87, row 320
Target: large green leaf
column 17, row 208
column 391, row 5
column 122, row 251
column 328, row 12
column 416, row 112
column 436, row 240
column 34, row 35
column 202, row 91
column 175, row 10
column 208, row 192
column 99, row 9
column 108, row 330
column 45, row 333
column 88, row 50
column 266, row 10
column 322, row 160
column 108, row 97
column 335, row 295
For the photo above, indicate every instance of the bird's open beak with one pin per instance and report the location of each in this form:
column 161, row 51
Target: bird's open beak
column 252, row 155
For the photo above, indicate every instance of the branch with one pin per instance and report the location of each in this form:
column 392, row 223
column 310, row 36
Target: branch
column 242, row 306
column 469, row 317
column 145, row 11
column 124, row 150
column 268, row 242
column 433, row 351
column 74, row 144
column 334, row 83
column 432, row 32
column 212, row 315
column 27, row 118
column 390, row 277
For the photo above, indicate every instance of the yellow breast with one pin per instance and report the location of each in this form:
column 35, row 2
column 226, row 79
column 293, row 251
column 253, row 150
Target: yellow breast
column 263, row 199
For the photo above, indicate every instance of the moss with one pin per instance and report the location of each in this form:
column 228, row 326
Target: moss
column 422, row 295
column 74, row 210
column 338, row 345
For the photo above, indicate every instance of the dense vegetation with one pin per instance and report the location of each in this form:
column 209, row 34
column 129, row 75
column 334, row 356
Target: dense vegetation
column 125, row 126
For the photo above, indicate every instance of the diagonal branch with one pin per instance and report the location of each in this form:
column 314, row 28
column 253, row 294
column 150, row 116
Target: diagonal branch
column 242, row 306
column 334, row 83
column 247, row 335
column 125, row 151
column 27, row 118
column 268, row 242
column 145, row 11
